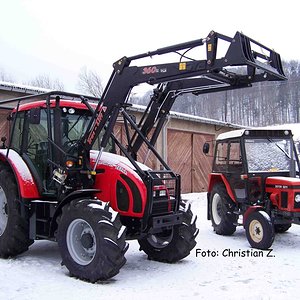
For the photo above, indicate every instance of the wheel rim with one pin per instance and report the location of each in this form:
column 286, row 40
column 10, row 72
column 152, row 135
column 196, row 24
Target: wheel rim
column 256, row 231
column 81, row 242
column 3, row 211
column 216, row 209
column 160, row 240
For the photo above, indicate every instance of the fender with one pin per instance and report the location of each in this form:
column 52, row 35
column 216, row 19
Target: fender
column 220, row 178
column 249, row 210
column 78, row 194
column 26, row 184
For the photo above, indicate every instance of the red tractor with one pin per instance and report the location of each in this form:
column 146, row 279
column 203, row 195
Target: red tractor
column 256, row 175
column 61, row 179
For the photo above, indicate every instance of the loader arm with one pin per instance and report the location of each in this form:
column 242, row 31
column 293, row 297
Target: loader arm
column 183, row 76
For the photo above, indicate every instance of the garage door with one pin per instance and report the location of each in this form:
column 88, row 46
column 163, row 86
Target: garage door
column 186, row 158
column 180, row 156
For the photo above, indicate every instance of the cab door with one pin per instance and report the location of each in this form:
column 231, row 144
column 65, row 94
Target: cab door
column 30, row 140
column 235, row 169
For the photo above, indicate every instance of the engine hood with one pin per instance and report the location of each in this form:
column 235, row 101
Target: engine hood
column 282, row 182
column 114, row 160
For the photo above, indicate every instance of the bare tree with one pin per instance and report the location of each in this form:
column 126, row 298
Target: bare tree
column 4, row 76
column 90, row 82
column 44, row 81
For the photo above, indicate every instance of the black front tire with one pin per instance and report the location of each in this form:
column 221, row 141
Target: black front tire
column 281, row 228
column 221, row 211
column 14, row 227
column 259, row 230
column 91, row 241
column 174, row 244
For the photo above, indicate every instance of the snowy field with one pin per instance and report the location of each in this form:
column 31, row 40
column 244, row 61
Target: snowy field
column 37, row 274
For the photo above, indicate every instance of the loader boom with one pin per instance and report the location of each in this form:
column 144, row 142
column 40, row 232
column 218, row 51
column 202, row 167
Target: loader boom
column 187, row 75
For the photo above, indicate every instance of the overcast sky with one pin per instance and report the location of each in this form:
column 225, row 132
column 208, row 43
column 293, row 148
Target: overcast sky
column 59, row 37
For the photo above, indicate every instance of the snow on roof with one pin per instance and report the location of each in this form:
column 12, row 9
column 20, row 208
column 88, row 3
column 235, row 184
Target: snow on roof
column 295, row 128
column 16, row 87
column 231, row 134
column 240, row 132
column 183, row 116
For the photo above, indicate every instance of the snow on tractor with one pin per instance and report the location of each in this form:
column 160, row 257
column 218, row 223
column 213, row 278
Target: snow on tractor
column 65, row 176
column 256, row 175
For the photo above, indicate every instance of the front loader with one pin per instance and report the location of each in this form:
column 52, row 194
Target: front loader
column 60, row 176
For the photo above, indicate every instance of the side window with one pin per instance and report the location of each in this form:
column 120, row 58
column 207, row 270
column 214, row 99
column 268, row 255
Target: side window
column 228, row 157
column 37, row 136
column 221, row 157
column 16, row 139
column 235, row 160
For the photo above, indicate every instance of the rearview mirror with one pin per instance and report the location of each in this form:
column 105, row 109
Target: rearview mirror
column 35, row 116
column 206, row 148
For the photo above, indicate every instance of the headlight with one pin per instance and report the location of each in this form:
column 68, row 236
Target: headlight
column 69, row 163
column 162, row 193
column 297, row 198
column 159, row 191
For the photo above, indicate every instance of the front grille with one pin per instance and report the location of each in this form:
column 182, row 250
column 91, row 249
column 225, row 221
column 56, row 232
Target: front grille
column 284, row 199
column 163, row 205
column 164, row 182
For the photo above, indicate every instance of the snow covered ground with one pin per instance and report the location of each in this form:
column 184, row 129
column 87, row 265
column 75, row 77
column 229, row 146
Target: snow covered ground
column 37, row 274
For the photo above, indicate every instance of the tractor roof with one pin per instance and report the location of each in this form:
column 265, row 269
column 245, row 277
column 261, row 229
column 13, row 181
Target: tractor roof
column 42, row 104
column 266, row 132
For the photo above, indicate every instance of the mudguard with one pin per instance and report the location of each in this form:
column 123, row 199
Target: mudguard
column 26, row 184
column 220, row 178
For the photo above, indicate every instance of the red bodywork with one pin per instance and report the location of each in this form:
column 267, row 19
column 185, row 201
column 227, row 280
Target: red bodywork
column 111, row 169
column 62, row 103
column 114, row 168
column 283, row 191
column 112, row 165
column 26, row 184
column 215, row 178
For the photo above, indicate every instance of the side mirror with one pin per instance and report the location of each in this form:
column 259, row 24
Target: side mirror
column 3, row 140
column 35, row 115
column 206, row 148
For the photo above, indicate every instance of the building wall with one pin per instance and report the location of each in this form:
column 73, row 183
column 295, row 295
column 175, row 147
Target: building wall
column 180, row 144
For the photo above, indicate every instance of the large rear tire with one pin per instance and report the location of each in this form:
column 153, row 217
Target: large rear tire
column 91, row 242
column 14, row 228
column 221, row 211
column 174, row 244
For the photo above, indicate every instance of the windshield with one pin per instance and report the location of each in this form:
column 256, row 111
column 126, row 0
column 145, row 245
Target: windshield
column 268, row 155
column 74, row 125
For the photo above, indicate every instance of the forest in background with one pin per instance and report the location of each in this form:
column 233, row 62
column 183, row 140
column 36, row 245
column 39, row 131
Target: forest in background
column 263, row 104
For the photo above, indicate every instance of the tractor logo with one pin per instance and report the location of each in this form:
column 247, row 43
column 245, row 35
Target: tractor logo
column 96, row 124
column 150, row 70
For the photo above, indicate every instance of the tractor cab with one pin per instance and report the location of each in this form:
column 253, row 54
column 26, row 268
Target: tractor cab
column 255, row 174
column 247, row 157
column 46, row 138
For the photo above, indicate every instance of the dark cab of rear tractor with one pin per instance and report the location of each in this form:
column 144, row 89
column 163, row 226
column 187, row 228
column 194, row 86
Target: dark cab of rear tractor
column 258, row 170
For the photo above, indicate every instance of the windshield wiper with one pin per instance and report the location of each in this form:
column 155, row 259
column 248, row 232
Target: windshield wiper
column 282, row 150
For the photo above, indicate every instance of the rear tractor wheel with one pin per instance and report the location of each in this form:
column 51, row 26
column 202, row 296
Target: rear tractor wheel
column 221, row 211
column 14, row 227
